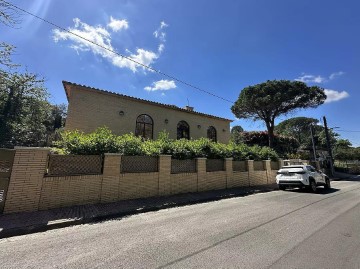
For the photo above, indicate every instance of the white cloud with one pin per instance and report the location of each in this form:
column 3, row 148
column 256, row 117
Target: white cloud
column 161, row 85
column 333, row 96
column 318, row 79
column 160, row 33
column 336, row 74
column 117, row 25
column 163, row 25
column 102, row 37
column 161, row 48
column 311, row 78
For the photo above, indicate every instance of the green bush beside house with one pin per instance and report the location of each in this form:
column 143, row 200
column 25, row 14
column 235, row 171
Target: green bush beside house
column 104, row 141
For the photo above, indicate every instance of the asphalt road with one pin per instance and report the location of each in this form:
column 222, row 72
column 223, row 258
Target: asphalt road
column 291, row 229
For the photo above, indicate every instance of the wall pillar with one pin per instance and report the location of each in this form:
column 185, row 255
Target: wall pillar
column 267, row 167
column 229, row 170
column 281, row 163
column 201, row 173
column 26, row 179
column 111, row 175
column 250, row 169
column 164, row 175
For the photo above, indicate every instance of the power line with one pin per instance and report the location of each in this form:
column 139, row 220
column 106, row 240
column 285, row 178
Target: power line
column 119, row 54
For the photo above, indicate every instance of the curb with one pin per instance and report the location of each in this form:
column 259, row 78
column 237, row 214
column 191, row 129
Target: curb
column 46, row 227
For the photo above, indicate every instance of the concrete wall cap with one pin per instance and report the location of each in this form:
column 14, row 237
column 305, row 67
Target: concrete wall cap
column 31, row 148
column 112, row 154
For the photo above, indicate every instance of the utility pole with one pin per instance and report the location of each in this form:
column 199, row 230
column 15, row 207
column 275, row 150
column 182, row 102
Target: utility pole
column 328, row 143
column 312, row 140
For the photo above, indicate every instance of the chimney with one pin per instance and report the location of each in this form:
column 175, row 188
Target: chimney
column 189, row 108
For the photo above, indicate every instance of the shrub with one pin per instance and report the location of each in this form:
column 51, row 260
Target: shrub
column 282, row 144
column 104, row 141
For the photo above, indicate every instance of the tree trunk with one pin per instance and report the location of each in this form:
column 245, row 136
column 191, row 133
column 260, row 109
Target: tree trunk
column 270, row 129
column 271, row 138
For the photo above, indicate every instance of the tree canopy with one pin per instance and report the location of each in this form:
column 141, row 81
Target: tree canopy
column 236, row 134
column 26, row 116
column 267, row 101
column 298, row 127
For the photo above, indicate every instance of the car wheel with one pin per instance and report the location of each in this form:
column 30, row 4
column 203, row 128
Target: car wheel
column 282, row 188
column 327, row 183
column 312, row 186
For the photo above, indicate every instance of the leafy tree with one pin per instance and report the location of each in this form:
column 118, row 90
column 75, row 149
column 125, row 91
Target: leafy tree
column 23, row 110
column 8, row 14
column 8, row 17
column 237, row 129
column 320, row 137
column 283, row 145
column 343, row 144
column 5, row 56
column 298, row 128
column 236, row 134
column 267, row 101
column 26, row 116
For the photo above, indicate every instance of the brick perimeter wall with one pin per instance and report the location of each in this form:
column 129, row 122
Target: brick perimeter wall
column 183, row 183
column 70, row 190
column 26, row 180
column 30, row 190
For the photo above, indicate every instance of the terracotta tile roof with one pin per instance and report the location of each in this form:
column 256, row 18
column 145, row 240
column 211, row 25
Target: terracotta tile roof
column 67, row 86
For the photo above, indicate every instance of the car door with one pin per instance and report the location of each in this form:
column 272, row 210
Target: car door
column 317, row 175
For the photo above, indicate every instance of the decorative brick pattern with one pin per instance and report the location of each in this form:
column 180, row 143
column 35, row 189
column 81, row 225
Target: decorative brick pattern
column 139, row 164
column 66, row 165
column 274, row 165
column 239, row 166
column 258, row 166
column 183, row 166
column 213, row 165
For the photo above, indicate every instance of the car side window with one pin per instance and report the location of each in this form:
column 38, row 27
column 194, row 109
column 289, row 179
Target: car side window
column 310, row 168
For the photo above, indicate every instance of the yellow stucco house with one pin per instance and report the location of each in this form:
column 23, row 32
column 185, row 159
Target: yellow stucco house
column 90, row 108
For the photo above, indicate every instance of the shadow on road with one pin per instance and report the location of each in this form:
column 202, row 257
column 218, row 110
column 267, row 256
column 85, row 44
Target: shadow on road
column 319, row 190
column 352, row 179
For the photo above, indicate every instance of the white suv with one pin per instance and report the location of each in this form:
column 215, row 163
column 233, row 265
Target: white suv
column 301, row 176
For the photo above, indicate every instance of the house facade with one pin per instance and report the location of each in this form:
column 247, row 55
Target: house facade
column 90, row 108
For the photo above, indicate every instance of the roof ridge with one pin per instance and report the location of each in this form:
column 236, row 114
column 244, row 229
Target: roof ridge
column 64, row 82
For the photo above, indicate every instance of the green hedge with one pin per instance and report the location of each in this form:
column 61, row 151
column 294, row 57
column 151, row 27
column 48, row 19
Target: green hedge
column 104, row 141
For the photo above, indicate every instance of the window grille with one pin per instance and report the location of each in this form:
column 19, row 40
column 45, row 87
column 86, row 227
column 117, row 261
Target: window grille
column 144, row 126
column 211, row 133
column 183, row 130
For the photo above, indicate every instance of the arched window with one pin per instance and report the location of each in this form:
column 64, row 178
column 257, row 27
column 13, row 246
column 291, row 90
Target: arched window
column 183, row 130
column 144, row 126
column 211, row 133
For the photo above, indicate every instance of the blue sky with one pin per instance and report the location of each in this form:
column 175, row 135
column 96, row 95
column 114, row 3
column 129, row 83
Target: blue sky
column 219, row 46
